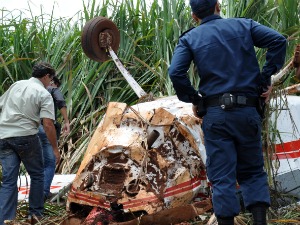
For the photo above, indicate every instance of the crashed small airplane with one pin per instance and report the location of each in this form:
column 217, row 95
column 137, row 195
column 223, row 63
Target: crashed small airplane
column 149, row 159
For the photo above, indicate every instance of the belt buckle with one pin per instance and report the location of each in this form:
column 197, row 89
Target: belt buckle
column 241, row 100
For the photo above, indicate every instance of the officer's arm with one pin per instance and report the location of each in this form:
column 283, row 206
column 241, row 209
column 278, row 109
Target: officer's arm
column 265, row 37
column 178, row 69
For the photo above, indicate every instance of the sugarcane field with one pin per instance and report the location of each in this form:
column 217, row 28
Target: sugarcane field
column 134, row 153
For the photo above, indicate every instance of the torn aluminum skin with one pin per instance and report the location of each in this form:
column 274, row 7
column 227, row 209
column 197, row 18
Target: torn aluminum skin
column 147, row 157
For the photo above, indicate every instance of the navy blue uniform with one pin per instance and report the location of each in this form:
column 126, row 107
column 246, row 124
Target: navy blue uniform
column 223, row 51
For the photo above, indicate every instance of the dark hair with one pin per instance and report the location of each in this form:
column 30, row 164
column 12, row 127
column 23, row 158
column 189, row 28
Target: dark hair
column 202, row 14
column 41, row 69
column 56, row 81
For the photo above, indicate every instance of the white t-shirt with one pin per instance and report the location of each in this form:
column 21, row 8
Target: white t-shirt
column 22, row 106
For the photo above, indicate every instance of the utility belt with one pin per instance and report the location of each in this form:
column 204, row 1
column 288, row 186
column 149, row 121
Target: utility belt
column 226, row 101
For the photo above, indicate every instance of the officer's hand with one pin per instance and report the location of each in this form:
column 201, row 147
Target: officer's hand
column 195, row 110
column 266, row 93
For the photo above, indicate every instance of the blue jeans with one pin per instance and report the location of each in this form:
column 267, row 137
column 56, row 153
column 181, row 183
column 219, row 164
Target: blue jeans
column 49, row 160
column 234, row 153
column 13, row 151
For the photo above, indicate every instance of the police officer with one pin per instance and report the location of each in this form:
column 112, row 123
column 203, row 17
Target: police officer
column 223, row 51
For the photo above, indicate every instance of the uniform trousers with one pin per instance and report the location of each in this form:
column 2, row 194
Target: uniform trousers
column 234, row 154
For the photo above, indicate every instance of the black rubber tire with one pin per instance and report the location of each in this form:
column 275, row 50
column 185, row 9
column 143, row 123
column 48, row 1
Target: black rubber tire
column 90, row 38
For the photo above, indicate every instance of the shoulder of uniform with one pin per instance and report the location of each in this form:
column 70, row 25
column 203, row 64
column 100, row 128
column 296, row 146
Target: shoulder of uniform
column 236, row 18
column 186, row 32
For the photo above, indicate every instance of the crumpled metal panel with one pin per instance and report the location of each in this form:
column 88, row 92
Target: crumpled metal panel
column 147, row 157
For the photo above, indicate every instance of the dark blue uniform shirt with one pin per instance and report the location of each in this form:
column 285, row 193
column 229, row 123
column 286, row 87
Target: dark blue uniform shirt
column 224, row 52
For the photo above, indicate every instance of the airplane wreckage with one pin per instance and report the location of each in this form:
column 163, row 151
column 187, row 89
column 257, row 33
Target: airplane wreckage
column 145, row 163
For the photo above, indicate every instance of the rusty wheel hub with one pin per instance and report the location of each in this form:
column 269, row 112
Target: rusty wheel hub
column 98, row 34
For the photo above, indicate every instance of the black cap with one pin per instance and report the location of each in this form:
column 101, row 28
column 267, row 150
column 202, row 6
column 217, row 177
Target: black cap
column 199, row 6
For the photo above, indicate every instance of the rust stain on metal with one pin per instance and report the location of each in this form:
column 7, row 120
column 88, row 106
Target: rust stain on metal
column 296, row 61
column 147, row 158
column 105, row 39
column 162, row 117
column 171, row 216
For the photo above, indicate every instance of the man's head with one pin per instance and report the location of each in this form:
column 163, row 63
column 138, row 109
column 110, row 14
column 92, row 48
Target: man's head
column 43, row 71
column 203, row 8
column 55, row 82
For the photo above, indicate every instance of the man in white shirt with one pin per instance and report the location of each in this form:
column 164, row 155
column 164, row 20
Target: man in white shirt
column 21, row 108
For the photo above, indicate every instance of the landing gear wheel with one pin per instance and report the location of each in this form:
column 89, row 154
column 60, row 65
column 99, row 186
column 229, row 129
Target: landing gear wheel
column 90, row 38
